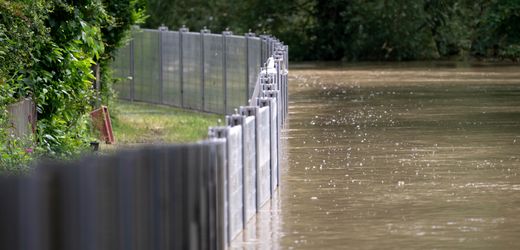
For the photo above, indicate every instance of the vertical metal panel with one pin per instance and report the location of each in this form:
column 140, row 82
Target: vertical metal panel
column 107, row 219
column 206, row 182
column 211, row 163
column 127, row 161
column 235, row 71
column 59, row 204
column 273, row 124
column 263, row 156
column 142, row 192
column 193, row 195
column 166, row 197
column 275, row 95
column 154, row 169
column 162, row 196
column 220, row 163
column 87, row 203
column 10, row 233
column 249, row 155
column 176, row 193
column 47, row 189
column 248, row 159
column 171, row 73
column 235, row 181
column 69, row 202
column 210, row 178
column 35, row 205
column 221, row 133
column 213, row 74
column 191, row 72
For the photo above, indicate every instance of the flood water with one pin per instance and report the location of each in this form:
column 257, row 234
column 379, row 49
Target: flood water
column 397, row 156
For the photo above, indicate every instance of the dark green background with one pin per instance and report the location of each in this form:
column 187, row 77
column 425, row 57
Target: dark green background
column 360, row 29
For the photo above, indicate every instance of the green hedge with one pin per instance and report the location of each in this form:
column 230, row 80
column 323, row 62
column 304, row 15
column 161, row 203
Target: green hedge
column 47, row 50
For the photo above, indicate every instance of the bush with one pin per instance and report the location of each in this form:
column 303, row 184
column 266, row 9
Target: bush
column 48, row 49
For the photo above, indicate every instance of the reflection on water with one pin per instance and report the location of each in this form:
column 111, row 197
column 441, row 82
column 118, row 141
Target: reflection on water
column 398, row 157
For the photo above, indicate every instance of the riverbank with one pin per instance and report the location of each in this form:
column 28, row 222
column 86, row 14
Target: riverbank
column 140, row 123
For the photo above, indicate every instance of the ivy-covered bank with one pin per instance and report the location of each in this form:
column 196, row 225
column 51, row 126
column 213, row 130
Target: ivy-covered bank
column 48, row 50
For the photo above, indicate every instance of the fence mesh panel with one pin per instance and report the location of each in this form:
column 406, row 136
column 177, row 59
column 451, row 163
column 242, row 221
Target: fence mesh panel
column 171, row 68
column 191, row 70
column 213, row 74
column 122, row 73
column 254, row 62
column 236, row 72
column 147, row 66
column 206, row 72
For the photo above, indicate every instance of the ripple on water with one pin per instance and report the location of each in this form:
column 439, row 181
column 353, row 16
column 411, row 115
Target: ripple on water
column 382, row 157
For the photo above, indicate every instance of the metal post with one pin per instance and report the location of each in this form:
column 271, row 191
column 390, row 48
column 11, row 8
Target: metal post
column 224, row 65
column 161, row 70
column 248, row 53
column 181, row 59
column 286, row 80
column 203, row 69
column 132, row 71
column 247, row 66
column 263, row 49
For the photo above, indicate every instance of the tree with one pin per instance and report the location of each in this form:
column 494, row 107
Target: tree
column 116, row 32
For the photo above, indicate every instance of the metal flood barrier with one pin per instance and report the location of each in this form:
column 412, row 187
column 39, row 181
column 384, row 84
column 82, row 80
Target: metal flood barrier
column 187, row 196
column 193, row 70
column 141, row 199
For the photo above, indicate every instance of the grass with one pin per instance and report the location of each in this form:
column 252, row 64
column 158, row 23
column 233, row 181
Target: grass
column 141, row 123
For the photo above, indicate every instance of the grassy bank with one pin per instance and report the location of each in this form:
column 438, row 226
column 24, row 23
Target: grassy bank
column 138, row 123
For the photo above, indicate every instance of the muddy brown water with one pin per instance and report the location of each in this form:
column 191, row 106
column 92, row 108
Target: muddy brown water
column 397, row 156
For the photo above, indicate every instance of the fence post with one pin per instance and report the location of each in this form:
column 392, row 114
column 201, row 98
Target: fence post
column 262, row 50
column 132, row 64
column 224, row 65
column 181, row 62
column 162, row 29
column 202, row 68
column 246, row 35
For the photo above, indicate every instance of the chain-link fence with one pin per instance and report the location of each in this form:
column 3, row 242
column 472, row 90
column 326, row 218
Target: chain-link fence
column 194, row 70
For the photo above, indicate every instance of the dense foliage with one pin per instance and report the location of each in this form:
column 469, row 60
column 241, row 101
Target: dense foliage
column 115, row 34
column 361, row 29
column 47, row 49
